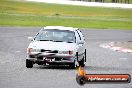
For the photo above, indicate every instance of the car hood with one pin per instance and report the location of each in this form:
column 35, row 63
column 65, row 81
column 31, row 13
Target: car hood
column 50, row 45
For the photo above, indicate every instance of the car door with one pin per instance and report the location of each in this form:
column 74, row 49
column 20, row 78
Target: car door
column 80, row 43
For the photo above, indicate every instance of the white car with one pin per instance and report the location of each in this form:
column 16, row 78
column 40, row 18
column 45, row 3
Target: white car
column 57, row 45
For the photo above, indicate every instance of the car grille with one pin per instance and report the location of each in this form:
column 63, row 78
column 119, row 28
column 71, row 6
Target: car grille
column 49, row 51
column 58, row 59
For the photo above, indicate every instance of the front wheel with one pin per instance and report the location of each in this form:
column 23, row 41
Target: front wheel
column 73, row 65
column 29, row 64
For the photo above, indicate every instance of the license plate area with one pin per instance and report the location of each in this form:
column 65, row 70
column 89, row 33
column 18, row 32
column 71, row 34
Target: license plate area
column 52, row 58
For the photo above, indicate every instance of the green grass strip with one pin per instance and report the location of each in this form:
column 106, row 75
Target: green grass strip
column 21, row 13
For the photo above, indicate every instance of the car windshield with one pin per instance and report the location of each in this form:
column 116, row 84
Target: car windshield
column 56, row 35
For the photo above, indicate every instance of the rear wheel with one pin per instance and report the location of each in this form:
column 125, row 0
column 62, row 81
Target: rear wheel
column 29, row 64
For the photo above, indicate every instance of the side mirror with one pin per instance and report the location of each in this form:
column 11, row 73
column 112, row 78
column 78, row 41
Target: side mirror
column 30, row 38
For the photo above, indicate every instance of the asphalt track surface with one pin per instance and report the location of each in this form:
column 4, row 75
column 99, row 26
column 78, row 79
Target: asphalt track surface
column 14, row 74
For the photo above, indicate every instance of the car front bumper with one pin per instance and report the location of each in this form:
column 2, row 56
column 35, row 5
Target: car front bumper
column 52, row 59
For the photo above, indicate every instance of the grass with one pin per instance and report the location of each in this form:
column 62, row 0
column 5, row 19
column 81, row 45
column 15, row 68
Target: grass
column 20, row 13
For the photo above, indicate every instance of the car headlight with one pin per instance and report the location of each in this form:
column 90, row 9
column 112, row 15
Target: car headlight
column 66, row 52
column 29, row 50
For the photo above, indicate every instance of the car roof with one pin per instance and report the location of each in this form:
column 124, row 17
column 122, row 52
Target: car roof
column 61, row 28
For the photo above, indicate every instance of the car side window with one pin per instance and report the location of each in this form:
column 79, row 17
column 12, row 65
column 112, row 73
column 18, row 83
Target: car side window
column 79, row 35
column 82, row 37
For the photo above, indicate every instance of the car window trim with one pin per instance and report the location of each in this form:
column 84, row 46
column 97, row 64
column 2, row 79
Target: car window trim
column 79, row 35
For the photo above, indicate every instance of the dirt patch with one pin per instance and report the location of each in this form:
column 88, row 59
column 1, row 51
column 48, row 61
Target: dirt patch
column 125, row 45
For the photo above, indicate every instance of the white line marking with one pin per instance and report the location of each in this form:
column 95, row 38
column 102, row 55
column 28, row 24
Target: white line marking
column 115, row 48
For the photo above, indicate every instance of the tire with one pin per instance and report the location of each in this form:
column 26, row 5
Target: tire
column 73, row 65
column 81, row 63
column 29, row 64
